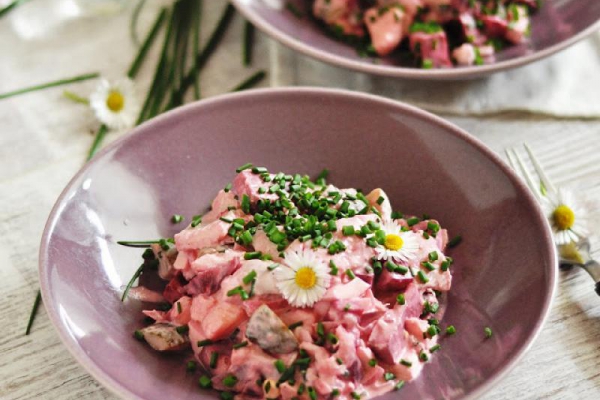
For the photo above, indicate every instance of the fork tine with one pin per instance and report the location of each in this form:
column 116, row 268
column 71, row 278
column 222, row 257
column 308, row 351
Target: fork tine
column 540, row 171
column 524, row 173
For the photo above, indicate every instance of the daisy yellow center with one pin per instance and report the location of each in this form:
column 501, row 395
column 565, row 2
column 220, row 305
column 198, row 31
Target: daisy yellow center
column 564, row 217
column 115, row 101
column 393, row 242
column 306, row 278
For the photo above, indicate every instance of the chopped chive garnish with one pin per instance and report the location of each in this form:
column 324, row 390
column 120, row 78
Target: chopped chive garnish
column 433, row 227
column 334, row 269
column 400, row 299
column 335, row 392
column 435, row 348
column 339, row 361
column 227, row 188
column 301, row 389
column 399, row 385
column 259, row 170
column 406, row 363
column 455, row 241
column 230, row 380
column 176, row 218
column 350, row 274
column 320, row 329
column 423, row 356
column 272, row 267
column 196, row 220
column 432, row 330
column 229, row 221
column 380, row 200
column 433, row 256
column 431, row 307
column 252, row 255
column 226, row 396
column 246, row 237
column 243, row 167
column 303, row 363
column 246, row 204
column 422, row 277
column 280, row 366
column 214, row 357
column 450, row 330
column 428, row 265
column 191, row 366
column 139, row 335
column 205, row 382
column 295, row 325
column 238, row 290
column 332, row 338
column 488, row 332
column 206, row 342
column 413, row 221
column 312, row 393
column 347, row 307
column 355, row 396
column 250, row 277
column 372, row 362
column 445, row 265
column 178, row 307
column 397, row 215
column 240, row 345
column 388, row 376
column 348, row 230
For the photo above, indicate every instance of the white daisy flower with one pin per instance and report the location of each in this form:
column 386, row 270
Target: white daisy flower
column 302, row 279
column 565, row 216
column 398, row 245
column 115, row 104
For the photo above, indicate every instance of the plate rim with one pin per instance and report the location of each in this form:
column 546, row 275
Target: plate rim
column 462, row 73
column 108, row 382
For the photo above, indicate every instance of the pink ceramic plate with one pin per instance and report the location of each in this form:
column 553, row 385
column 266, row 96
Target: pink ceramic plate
column 558, row 24
column 505, row 268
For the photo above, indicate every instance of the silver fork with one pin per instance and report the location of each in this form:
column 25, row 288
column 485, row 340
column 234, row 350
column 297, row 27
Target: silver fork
column 574, row 254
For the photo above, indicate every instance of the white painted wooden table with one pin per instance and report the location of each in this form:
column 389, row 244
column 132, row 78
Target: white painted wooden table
column 43, row 141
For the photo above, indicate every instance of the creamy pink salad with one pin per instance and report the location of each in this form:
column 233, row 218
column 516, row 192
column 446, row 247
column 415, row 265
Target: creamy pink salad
column 436, row 33
column 296, row 289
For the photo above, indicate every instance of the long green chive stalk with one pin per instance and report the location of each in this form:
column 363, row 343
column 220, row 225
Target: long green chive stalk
column 36, row 304
column 75, row 97
column 196, row 47
column 166, row 73
column 250, row 82
column 60, row 82
column 98, row 139
column 178, row 61
column 134, row 21
column 158, row 73
column 136, row 275
column 202, row 57
column 139, row 243
column 137, row 63
column 248, row 43
column 11, row 6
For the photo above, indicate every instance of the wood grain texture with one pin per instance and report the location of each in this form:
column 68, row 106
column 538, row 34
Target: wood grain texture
column 43, row 142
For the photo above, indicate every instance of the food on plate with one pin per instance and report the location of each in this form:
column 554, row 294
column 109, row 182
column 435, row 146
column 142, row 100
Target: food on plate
column 433, row 33
column 292, row 288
